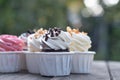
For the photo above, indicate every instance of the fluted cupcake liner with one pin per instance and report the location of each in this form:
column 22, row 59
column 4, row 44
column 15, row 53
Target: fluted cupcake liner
column 82, row 62
column 10, row 62
column 32, row 63
column 47, row 63
column 50, row 63
column 23, row 61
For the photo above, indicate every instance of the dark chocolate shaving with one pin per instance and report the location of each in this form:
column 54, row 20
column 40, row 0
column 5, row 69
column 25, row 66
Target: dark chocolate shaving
column 56, row 34
column 59, row 31
column 52, row 32
column 46, row 37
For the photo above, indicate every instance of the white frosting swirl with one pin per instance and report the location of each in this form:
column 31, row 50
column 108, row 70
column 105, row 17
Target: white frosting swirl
column 80, row 42
column 59, row 42
column 33, row 43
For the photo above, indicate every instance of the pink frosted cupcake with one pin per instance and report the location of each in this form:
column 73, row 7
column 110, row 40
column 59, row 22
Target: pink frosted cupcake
column 10, row 47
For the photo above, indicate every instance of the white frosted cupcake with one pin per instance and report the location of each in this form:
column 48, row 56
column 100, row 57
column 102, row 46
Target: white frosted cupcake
column 82, row 59
column 53, row 60
column 34, row 46
column 10, row 51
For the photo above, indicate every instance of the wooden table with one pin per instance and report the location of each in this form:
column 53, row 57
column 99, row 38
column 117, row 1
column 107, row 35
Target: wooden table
column 101, row 70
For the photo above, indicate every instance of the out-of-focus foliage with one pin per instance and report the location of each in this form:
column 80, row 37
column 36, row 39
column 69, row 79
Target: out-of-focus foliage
column 115, row 44
column 110, row 20
column 17, row 16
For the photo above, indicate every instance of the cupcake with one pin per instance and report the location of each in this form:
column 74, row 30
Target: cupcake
column 53, row 58
column 34, row 46
column 10, row 47
column 80, row 44
column 24, row 37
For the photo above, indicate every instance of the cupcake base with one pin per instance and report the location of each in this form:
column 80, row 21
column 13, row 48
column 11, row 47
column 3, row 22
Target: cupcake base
column 50, row 63
column 82, row 62
column 10, row 62
column 32, row 63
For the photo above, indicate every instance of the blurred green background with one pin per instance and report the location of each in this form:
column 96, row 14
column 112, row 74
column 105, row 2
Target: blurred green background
column 100, row 18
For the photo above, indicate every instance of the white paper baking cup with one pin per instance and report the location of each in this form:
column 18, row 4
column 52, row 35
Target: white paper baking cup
column 32, row 62
column 50, row 63
column 23, row 60
column 10, row 62
column 82, row 62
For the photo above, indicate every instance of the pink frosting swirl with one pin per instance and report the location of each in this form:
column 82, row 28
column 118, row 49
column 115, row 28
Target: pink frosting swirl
column 10, row 43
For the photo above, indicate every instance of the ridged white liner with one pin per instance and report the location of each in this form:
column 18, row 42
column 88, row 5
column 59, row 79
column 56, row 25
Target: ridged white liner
column 50, row 63
column 82, row 62
column 32, row 63
column 10, row 62
column 23, row 61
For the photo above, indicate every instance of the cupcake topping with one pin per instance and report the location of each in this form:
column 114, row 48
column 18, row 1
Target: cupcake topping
column 57, row 39
column 40, row 32
column 11, row 43
column 80, row 41
column 52, row 33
